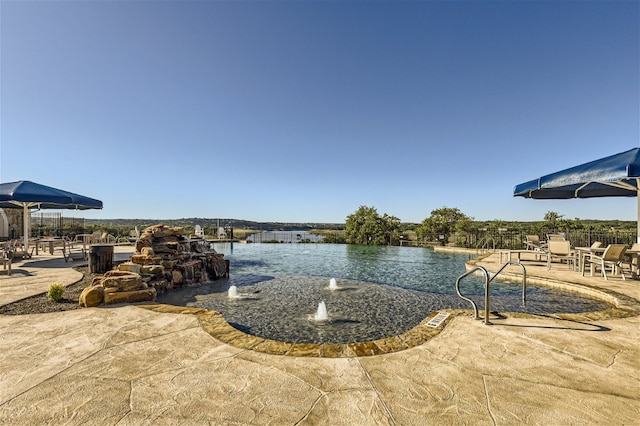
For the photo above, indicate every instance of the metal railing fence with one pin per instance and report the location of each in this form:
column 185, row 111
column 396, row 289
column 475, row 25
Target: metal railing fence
column 514, row 240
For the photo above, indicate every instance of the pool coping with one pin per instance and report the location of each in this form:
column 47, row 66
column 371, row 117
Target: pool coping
column 215, row 324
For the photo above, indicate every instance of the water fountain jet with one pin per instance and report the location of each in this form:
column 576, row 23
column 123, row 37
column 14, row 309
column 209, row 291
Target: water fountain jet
column 333, row 285
column 233, row 292
column 321, row 314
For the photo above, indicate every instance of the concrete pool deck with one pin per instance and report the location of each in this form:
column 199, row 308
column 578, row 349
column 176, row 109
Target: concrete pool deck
column 127, row 365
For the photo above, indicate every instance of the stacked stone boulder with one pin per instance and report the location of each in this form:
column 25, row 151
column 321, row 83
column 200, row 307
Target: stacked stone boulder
column 164, row 258
column 117, row 287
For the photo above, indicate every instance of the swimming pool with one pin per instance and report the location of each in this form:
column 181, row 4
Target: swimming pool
column 383, row 291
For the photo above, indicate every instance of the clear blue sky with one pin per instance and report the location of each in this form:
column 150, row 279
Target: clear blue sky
column 304, row 111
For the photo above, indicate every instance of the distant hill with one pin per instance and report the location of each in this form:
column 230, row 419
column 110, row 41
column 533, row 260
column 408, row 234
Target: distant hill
column 307, row 226
column 234, row 223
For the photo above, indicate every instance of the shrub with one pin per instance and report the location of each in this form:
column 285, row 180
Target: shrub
column 55, row 292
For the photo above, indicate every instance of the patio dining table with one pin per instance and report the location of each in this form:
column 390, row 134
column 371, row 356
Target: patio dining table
column 51, row 242
column 581, row 253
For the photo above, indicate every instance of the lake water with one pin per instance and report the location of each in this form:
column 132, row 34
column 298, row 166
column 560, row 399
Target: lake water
column 383, row 291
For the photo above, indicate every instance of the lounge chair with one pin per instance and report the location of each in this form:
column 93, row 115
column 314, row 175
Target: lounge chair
column 560, row 250
column 533, row 243
column 613, row 257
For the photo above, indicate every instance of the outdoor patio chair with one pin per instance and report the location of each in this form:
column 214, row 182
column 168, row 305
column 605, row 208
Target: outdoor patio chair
column 581, row 252
column 612, row 257
column 83, row 239
column 106, row 238
column 17, row 249
column 560, row 250
column 7, row 257
column 134, row 234
column 556, row 237
column 69, row 252
column 631, row 259
column 533, row 243
column 122, row 241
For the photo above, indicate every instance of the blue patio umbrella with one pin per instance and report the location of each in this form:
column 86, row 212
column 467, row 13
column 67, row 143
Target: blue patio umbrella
column 26, row 195
column 614, row 176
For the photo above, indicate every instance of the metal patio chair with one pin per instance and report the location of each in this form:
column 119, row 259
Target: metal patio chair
column 561, row 250
column 613, row 257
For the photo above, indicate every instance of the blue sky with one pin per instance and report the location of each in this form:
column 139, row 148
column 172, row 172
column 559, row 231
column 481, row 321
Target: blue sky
column 303, row 111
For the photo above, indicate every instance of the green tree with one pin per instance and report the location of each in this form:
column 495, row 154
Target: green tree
column 464, row 228
column 367, row 227
column 441, row 224
column 496, row 224
column 576, row 223
column 391, row 227
column 334, row 238
column 552, row 218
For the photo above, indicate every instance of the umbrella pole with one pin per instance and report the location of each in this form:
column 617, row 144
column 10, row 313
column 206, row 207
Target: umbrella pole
column 638, row 223
column 26, row 231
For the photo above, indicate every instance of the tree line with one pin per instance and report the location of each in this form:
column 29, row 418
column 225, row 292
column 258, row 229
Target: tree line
column 366, row 226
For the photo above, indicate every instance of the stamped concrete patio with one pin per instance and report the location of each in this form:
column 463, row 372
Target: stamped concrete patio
column 154, row 365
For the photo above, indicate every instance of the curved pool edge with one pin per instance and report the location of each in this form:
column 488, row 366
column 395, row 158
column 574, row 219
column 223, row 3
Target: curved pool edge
column 216, row 326
column 621, row 301
column 214, row 323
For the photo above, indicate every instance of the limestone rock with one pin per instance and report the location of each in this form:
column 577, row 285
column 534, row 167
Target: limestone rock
column 145, row 260
column 146, row 295
column 164, row 259
column 91, row 296
column 152, row 270
column 124, row 282
column 162, row 285
column 171, row 248
column 169, row 264
column 147, row 251
column 119, row 273
column 159, row 231
column 130, row 267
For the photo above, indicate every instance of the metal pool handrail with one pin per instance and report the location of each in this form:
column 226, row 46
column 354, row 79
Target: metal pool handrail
column 487, row 281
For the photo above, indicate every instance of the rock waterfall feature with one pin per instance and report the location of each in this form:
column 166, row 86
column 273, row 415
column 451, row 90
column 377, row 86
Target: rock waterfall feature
column 164, row 258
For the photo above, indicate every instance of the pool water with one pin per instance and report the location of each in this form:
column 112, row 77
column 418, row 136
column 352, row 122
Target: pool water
column 382, row 291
